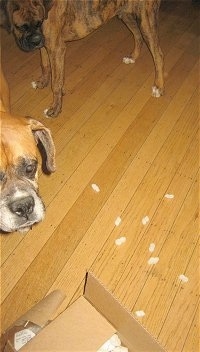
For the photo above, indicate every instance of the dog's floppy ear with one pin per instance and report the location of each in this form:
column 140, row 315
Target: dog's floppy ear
column 47, row 5
column 4, row 16
column 43, row 135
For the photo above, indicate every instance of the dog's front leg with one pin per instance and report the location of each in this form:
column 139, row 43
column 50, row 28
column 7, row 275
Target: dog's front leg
column 44, row 79
column 57, row 62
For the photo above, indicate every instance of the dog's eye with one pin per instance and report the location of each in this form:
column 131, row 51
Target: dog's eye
column 23, row 28
column 31, row 169
column 26, row 167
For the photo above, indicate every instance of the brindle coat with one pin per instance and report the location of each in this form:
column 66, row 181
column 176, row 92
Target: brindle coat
column 49, row 24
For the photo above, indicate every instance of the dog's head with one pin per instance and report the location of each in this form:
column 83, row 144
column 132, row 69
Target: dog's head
column 24, row 18
column 20, row 203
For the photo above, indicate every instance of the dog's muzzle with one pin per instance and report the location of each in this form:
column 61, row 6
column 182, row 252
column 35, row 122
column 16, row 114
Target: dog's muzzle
column 29, row 42
column 20, row 210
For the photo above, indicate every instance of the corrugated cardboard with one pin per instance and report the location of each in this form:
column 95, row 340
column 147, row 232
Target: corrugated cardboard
column 32, row 321
column 89, row 322
column 80, row 328
column 131, row 332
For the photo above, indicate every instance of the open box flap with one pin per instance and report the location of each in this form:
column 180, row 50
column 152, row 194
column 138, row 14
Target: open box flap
column 80, row 328
column 132, row 333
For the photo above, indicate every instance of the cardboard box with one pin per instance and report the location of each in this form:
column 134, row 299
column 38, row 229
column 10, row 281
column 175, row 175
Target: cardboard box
column 31, row 323
column 89, row 322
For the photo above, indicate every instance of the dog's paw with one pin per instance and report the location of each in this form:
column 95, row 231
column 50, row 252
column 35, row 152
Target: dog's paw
column 156, row 92
column 34, row 84
column 46, row 113
column 41, row 83
column 128, row 60
column 38, row 84
column 51, row 113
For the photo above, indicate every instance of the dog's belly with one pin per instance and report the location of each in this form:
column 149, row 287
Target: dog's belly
column 80, row 28
column 83, row 17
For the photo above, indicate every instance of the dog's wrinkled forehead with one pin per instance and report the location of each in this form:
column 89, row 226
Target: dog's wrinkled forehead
column 17, row 140
column 28, row 11
column 18, row 150
column 18, row 155
column 14, row 14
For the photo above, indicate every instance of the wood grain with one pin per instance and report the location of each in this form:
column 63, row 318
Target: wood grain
column 136, row 149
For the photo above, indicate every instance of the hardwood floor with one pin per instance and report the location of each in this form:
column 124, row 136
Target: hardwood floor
column 136, row 148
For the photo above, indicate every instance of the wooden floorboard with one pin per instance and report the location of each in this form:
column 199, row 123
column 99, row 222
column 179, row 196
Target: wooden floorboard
column 136, row 148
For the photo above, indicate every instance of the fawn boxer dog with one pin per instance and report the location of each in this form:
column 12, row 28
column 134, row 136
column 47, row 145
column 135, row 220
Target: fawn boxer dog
column 20, row 203
column 49, row 24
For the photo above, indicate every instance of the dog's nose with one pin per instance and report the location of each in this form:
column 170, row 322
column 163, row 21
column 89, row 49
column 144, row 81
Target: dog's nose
column 35, row 39
column 23, row 206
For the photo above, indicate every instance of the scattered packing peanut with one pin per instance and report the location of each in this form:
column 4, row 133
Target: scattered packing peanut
column 140, row 313
column 152, row 247
column 95, row 187
column 183, row 278
column 153, row 260
column 118, row 221
column 120, row 241
column 169, row 196
column 128, row 60
column 145, row 220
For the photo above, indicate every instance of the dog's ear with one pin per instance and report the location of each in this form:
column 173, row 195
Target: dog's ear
column 43, row 135
column 47, row 5
column 4, row 16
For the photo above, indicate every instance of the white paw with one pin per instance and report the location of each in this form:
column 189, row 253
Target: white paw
column 34, row 85
column 46, row 113
column 128, row 60
column 156, row 92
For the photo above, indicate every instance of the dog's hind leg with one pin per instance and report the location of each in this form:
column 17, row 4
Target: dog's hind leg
column 149, row 30
column 132, row 25
column 44, row 79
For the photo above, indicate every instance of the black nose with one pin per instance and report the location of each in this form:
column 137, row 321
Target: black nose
column 22, row 207
column 35, row 39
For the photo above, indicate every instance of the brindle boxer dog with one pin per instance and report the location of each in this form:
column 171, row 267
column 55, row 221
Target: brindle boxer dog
column 20, row 203
column 49, row 24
